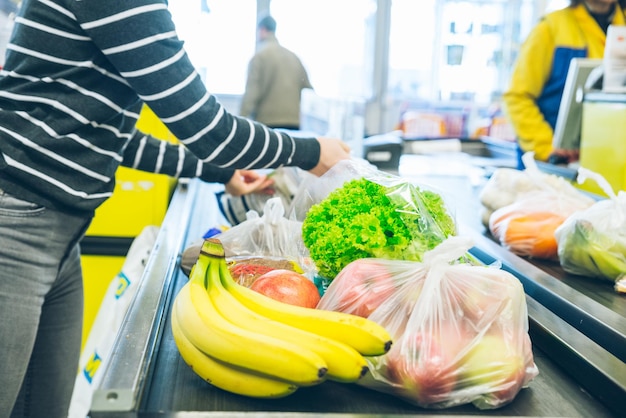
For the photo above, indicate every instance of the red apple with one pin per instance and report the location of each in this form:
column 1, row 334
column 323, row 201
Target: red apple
column 359, row 288
column 426, row 364
column 289, row 287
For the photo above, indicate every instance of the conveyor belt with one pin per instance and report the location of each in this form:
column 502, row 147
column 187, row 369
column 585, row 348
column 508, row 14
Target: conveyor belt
column 148, row 377
column 174, row 387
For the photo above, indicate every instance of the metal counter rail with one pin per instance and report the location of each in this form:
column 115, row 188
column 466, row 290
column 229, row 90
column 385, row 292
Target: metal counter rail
column 125, row 376
column 148, row 378
column 604, row 325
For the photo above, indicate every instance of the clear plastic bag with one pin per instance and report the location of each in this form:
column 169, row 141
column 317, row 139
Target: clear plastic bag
column 356, row 211
column 260, row 244
column 507, row 185
column 592, row 242
column 270, row 241
column 460, row 330
column 527, row 226
column 270, row 235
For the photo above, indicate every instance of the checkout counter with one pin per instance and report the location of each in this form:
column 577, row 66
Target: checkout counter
column 577, row 327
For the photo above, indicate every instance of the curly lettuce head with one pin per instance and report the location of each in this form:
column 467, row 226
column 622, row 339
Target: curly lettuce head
column 364, row 219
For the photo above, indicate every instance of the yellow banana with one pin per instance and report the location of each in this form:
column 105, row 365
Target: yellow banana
column 214, row 335
column 589, row 252
column 609, row 252
column 573, row 254
column 345, row 364
column 364, row 335
column 609, row 265
column 224, row 376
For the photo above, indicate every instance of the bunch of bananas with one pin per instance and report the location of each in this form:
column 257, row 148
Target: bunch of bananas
column 246, row 343
column 589, row 252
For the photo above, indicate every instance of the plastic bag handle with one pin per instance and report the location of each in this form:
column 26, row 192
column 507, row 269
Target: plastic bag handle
column 584, row 174
column 533, row 171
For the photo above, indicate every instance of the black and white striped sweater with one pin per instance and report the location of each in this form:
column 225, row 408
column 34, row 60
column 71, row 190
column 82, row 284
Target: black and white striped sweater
column 76, row 75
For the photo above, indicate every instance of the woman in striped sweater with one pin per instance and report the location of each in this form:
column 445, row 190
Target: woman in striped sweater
column 76, row 75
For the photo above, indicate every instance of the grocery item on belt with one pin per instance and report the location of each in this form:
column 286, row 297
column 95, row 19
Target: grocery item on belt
column 244, row 342
column 375, row 215
column 507, row 185
column 460, row 329
column 592, row 242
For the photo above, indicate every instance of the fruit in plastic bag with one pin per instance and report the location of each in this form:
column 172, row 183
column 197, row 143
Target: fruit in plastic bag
column 507, row 185
column 246, row 270
column 448, row 317
column 592, row 242
column 425, row 364
column 495, row 367
column 364, row 285
column 527, row 227
column 587, row 251
column 527, row 234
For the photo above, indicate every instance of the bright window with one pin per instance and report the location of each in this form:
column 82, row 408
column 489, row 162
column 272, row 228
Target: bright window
column 454, row 49
column 219, row 37
column 411, row 40
column 333, row 38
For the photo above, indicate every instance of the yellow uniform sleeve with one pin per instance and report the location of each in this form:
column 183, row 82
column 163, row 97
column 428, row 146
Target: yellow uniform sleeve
column 530, row 74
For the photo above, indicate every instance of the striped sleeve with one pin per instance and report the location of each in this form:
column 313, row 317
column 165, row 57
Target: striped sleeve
column 147, row 153
column 139, row 39
column 76, row 75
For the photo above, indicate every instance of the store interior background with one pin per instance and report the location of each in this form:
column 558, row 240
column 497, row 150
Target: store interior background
column 451, row 58
column 447, row 59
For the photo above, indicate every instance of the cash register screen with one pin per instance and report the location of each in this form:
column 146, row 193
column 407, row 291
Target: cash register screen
column 568, row 122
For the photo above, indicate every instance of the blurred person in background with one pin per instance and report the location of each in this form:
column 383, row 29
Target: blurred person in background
column 75, row 78
column 534, row 95
column 276, row 78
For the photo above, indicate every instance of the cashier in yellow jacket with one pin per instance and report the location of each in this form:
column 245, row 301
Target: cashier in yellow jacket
column 534, row 95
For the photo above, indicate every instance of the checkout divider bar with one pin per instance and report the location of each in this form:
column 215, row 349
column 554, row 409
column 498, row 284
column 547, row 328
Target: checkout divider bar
column 125, row 375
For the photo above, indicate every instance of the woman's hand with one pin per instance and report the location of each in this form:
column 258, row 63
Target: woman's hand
column 331, row 152
column 248, row 181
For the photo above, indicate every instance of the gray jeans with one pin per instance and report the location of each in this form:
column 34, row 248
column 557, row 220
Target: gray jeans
column 41, row 305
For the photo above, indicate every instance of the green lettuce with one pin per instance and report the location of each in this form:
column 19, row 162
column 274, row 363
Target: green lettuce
column 365, row 219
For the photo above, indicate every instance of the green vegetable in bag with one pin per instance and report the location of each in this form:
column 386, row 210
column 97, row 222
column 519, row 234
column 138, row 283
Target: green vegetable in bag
column 365, row 219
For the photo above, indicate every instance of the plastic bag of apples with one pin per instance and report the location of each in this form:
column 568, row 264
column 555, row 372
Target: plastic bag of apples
column 460, row 328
